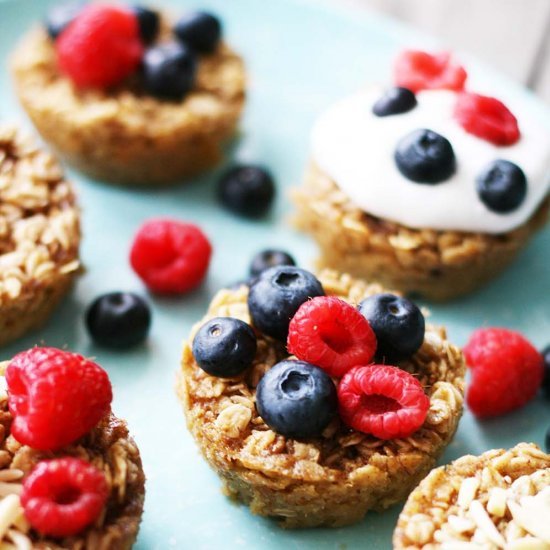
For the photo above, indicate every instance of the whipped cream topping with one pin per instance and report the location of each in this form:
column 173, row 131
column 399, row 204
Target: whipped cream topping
column 356, row 149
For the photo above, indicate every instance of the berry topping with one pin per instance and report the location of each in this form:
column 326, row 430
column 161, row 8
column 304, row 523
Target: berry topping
column 101, row 47
column 384, row 401
column 487, row 118
column 224, row 347
column 169, row 70
column 331, row 334
column 149, row 23
column 506, row 369
column 269, row 258
column 63, row 496
column 296, row 399
column 171, row 257
column 397, row 323
column 417, row 70
column 118, row 320
column 275, row 296
column 60, row 16
column 247, row 190
column 55, row 397
column 502, row 186
column 547, row 441
column 546, row 380
column 424, row 156
column 394, row 102
column 200, row 30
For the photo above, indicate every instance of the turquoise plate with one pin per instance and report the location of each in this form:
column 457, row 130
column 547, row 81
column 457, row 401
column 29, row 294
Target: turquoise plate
column 300, row 56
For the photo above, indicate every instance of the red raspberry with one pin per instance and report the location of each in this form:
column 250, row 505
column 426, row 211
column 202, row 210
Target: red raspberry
column 55, row 397
column 171, row 257
column 101, row 47
column 384, row 401
column 418, row 70
column 487, row 118
column 63, row 496
column 331, row 334
column 507, row 371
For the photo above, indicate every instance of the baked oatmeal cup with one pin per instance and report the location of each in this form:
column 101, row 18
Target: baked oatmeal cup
column 122, row 133
column 500, row 499
column 332, row 479
column 39, row 234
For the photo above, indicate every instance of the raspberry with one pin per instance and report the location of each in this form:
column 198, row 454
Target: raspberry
column 418, row 70
column 100, row 47
column 331, row 334
column 384, row 401
column 55, row 397
column 63, row 496
column 487, row 118
column 507, row 371
column 171, row 257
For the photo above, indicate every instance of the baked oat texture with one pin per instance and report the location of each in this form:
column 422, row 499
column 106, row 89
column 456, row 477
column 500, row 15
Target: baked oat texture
column 39, row 234
column 500, row 499
column 331, row 480
column 125, row 136
column 439, row 265
column 110, row 448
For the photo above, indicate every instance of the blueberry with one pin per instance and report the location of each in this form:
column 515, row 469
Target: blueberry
column 118, row 320
column 296, row 399
column 269, row 258
column 546, row 381
column 275, row 296
column 200, row 30
column 398, row 324
column 547, row 440
column 247, row 190
column 169, row 70
column 502, row 186
column 424, row 156
column 60, row 16
column 224, row 347
column 394, row 102
column 149, row 23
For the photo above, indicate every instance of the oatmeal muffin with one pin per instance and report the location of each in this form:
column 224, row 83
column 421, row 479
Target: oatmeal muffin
column 500, row 499
column 326, row 475
column 138, row 127
column 430, row 191
column 39, row 234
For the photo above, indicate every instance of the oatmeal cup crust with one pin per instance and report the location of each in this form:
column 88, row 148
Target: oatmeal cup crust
column 439, row 265
column 449, row 491
column 125, row 136
column 331, row 480
column 39, row 234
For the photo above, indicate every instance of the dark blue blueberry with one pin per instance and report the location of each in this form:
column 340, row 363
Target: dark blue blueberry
column 423, row 156
column 296, row 399
column 398, row 324
column 546, row 381
column 149, row 23
column 118, row 320
column 547, row 440
column 224, row 347
column 200, row 30
column 502, row 186
column 394, row 102
column 269, row 258
column 169, row 70
column 275, row 296
column 247, row 190
column 60, row 16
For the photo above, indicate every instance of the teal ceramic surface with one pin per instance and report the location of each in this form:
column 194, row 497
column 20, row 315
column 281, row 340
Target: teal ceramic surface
column 300, row 57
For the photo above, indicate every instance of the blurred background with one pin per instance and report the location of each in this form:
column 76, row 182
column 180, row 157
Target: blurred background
column 511, row 35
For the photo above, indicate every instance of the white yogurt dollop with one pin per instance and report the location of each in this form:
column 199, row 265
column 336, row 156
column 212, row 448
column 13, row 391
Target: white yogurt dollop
column 356, row 149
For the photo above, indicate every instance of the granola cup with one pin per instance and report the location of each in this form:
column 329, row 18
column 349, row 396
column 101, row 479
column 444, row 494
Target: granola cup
column 439, row 265
column 123, row 135
column 110, row 448
column 39, row 234
column 332, row 480
column 500, row 499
